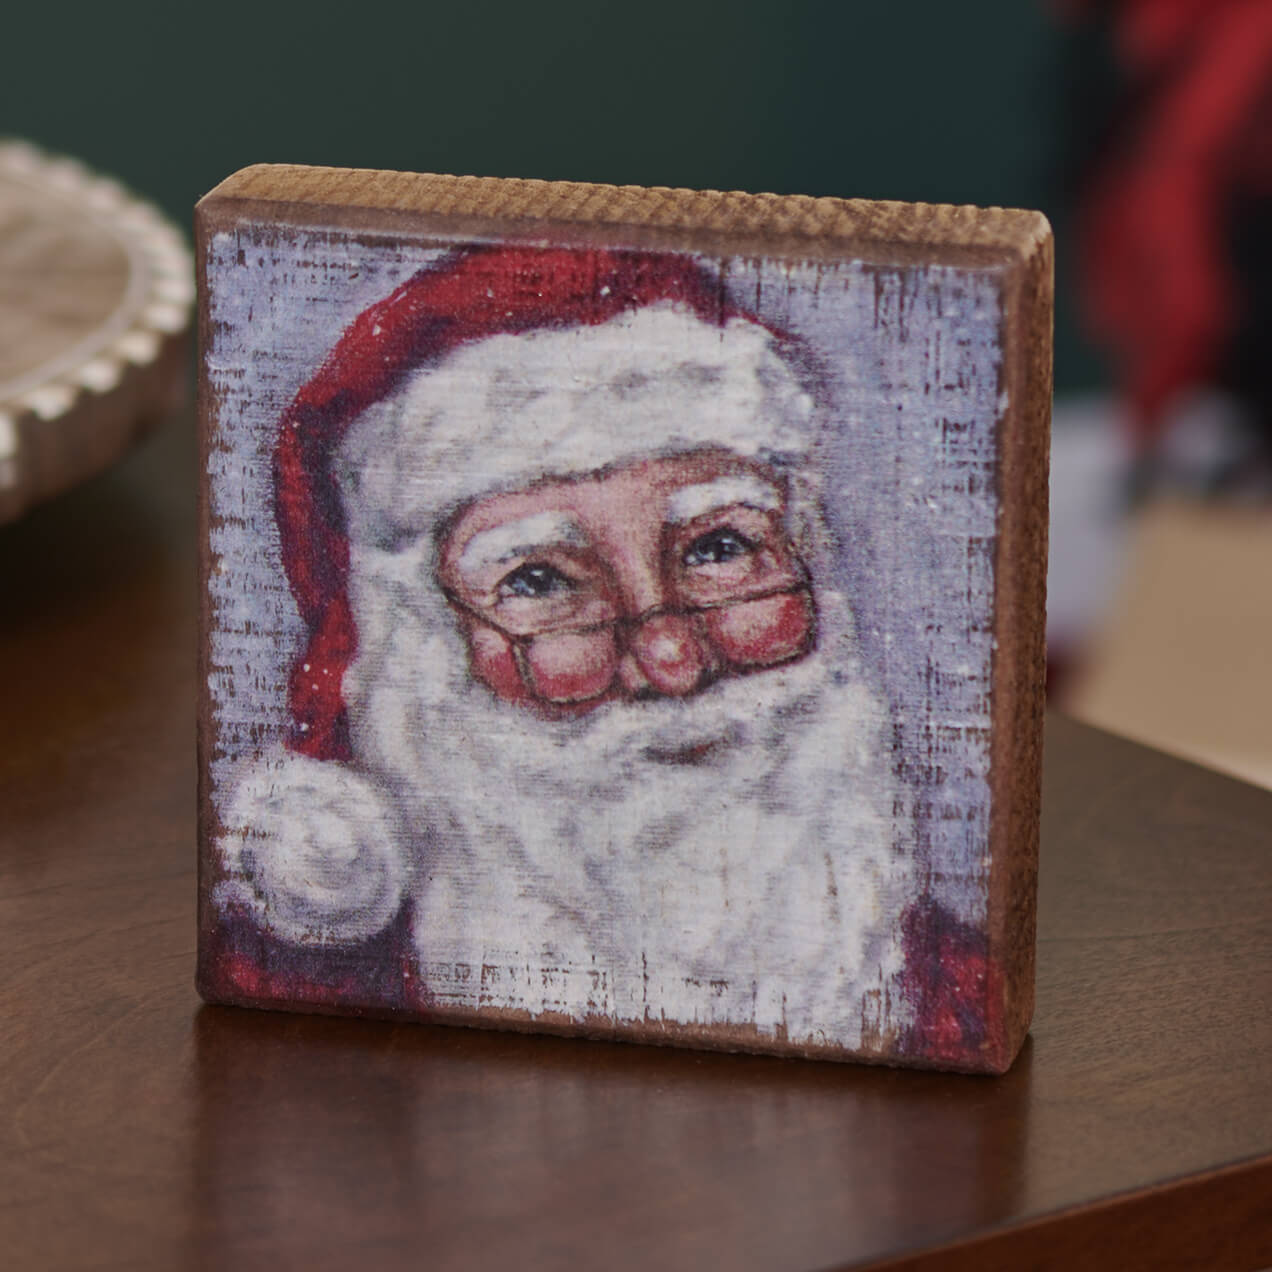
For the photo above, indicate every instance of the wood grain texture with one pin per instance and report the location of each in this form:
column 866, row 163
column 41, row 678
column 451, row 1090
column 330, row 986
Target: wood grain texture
column 61, row 277
column 1020, row 634
column 139, row 1129
column 95, row 297
column 334, row 226
column 896, row 231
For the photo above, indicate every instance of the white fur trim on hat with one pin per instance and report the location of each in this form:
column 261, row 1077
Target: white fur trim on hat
column 503, row 411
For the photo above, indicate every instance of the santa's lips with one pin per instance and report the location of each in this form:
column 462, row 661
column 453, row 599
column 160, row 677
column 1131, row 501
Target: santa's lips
column 685, row 753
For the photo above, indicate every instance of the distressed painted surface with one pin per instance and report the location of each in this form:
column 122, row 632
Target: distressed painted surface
column 894, row 753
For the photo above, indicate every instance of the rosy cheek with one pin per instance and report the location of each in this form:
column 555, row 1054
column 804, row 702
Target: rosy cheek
column 572, row 667
column 493, row 663
column 761, row 633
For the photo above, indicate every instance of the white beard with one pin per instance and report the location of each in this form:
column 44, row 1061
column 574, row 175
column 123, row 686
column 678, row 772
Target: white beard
column 591, row 871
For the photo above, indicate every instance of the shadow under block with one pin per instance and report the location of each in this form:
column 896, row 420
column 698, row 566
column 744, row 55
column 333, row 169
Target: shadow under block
column 623, row 611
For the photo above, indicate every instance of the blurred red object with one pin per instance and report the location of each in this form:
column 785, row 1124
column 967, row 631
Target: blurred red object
column 1191, row 147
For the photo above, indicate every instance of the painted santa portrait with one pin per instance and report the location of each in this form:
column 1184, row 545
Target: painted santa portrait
column 583, row 732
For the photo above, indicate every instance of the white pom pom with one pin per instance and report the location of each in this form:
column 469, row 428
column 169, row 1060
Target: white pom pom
column 311, row 850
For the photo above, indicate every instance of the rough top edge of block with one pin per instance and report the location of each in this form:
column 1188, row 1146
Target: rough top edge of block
column 1003, row 233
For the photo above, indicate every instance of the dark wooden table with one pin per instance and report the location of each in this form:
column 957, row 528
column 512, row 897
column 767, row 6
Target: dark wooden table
column 139, row 1129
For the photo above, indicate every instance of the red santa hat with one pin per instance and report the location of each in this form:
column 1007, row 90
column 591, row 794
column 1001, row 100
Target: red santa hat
column 473, row 294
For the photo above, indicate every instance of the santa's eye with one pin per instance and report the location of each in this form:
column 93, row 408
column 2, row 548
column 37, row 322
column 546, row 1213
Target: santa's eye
column 535, row 579
column 718, row 546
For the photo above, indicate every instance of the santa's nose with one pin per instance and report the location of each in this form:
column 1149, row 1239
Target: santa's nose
column 664, row 654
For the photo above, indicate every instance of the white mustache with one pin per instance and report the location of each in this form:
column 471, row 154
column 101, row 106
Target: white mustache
column 732, row 712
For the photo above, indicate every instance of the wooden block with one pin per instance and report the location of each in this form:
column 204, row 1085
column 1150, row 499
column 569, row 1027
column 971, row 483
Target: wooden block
column 623, row 611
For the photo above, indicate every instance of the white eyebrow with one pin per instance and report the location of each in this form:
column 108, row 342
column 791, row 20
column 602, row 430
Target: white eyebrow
column 523, row 537
column 695, row 501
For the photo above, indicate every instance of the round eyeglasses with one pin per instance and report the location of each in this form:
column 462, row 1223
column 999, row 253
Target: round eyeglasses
column 574, row 663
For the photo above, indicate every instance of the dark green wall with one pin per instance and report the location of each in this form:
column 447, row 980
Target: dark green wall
column 912, row 99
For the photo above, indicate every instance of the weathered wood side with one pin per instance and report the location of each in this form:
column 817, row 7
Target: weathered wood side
column 870, row 229
column 1020, row 640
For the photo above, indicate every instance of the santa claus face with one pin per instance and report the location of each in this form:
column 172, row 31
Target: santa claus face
column 655, row 578
column 627, row 758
